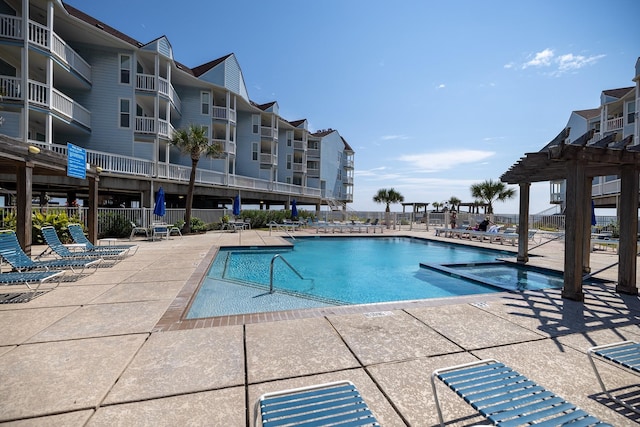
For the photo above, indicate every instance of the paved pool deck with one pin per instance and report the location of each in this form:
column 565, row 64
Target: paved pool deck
column 111, row 349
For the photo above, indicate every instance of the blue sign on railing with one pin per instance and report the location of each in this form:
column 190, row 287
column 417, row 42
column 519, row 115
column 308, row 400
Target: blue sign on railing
column 76, row 161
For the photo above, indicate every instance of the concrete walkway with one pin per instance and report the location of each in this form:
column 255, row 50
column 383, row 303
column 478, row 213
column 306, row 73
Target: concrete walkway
column 90, row 352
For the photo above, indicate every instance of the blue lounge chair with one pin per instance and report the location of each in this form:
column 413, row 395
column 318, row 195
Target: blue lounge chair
column 624, row 354
column 31, row 279
column 318, row 405
column 77, row 234
column 12, row 253
column 58, row 248
column 508, row 398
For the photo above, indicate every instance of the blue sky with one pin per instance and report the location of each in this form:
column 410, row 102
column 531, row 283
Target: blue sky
column 432, row 96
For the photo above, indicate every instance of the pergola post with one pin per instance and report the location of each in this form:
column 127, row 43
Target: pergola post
column 586, row 227
column 523, row 223
column 627, row 249
column 92, row 219
column 574, row 229
column 24, row 210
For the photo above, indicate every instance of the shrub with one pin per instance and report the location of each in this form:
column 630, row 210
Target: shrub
column 197, row 225
column 113, row 225
column 58, row 219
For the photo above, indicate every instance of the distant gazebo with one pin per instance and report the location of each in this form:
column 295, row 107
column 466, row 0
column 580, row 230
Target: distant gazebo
column 578, row 163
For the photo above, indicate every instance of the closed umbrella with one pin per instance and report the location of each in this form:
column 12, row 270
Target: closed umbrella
column 236, row 205
column 294, row 209
column 159, row 209
column 593, row 213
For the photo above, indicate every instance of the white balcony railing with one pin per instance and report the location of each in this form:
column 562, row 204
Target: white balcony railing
column 614, row 124
column 71, row 109
column 68, row 56
column 147, row 82
column 145, row 125
column 39, row 35
column 300, row 167
column 300, row 145
column 125, row 165
column 10, row 27
column 10, row 87
column 267, row 132
column 268, row 159
column 38, row 93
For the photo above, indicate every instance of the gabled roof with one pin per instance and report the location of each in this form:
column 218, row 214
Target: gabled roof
column 201, row 69
column 297, row 123
column 100, row 25
column 589, row 114
column 618, row 93
column 323, row 132
column 264, row 107
column 346, row 144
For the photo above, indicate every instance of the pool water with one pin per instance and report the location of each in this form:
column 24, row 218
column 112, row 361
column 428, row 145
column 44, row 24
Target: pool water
column 337, row 271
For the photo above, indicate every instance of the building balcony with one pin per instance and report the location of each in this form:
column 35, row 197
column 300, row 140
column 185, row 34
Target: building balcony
column 347, row 180
column 300, row 167
column 268, row 159
column 10, row 87
column 147, row 83
column 41, row 36
column 614, row 124
column 348, row 164
column 269, row 133
column 228, row 147
column 224, row 113
column 39, row 95
column 313, row 152
column 151, row 126
column 300, row 145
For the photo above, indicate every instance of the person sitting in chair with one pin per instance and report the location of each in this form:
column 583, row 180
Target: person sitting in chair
column 484, row 224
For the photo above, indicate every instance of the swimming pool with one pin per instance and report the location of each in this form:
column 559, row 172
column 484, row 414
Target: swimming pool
column 337, row 271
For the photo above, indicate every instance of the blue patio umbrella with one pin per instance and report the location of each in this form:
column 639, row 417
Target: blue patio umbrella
column 236, row 205
column 593, row 213
column 294, row 209
column 159, row 209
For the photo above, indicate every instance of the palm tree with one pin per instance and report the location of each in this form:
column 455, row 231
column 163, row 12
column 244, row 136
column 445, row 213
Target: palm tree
column 193, row 141
column 388, row 196
column 436, row 205
column 489, row 190
column 454, row 202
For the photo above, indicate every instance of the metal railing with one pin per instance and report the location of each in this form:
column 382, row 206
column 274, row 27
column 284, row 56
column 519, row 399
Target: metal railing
column 276, row 256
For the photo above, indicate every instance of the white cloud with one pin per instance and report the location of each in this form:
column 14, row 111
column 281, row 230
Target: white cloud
column 393, row 137
column 540, row 59
column 573, row 62
column 440, row 86
column 434, row 162
column 558, row 64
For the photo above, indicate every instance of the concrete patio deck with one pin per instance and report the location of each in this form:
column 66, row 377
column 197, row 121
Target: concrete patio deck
column 110, row 349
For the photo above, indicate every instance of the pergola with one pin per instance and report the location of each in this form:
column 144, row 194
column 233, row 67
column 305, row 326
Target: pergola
column 415, row 206
column 26, row 161
column 578, row 163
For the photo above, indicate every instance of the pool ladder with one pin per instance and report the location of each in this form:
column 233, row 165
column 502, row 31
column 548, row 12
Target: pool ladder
column 276, row 256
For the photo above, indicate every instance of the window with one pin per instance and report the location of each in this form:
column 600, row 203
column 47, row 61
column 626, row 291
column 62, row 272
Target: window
column 125, row 113
column 205, row 102
column 631, row 112
column 255, row 119
column 289, row 138
column 205, row 131
column 125, row 69
column 254, row 148
column 289, row 161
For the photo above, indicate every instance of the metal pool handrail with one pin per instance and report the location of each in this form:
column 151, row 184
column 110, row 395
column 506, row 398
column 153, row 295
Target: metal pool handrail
column 271, row 270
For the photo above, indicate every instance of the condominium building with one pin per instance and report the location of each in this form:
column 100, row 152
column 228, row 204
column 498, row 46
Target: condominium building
column 615, row 120
column 68, row 78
